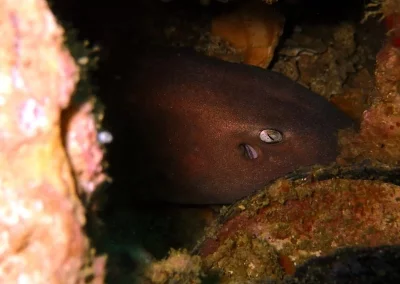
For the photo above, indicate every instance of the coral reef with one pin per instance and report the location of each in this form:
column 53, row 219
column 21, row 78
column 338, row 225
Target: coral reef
column 272, row 234
column 332, row 65
column 41, row 218
column 379, row 134
column 85, row 148
column 293, row 221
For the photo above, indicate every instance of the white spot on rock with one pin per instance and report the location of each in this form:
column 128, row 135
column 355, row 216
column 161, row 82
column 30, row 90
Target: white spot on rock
column 32, row 117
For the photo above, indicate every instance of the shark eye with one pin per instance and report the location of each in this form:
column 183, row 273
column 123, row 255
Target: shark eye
column 271, row 136
column 248, row 151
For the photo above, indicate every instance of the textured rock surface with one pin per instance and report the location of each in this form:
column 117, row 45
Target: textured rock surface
column 41, row 239
column 379, row 134
column 280, row 227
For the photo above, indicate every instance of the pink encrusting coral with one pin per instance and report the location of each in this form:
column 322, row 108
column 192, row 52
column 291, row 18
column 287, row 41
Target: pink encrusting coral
column 41, row 218
column 84, row 149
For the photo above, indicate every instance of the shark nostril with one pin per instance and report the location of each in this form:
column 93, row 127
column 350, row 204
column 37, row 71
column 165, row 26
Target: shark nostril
column 271, row 136
column 248, row 151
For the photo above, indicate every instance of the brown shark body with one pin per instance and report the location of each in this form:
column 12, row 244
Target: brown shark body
column 196, row 125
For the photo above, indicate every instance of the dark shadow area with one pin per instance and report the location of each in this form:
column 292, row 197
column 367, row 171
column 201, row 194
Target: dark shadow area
column 352, row 265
